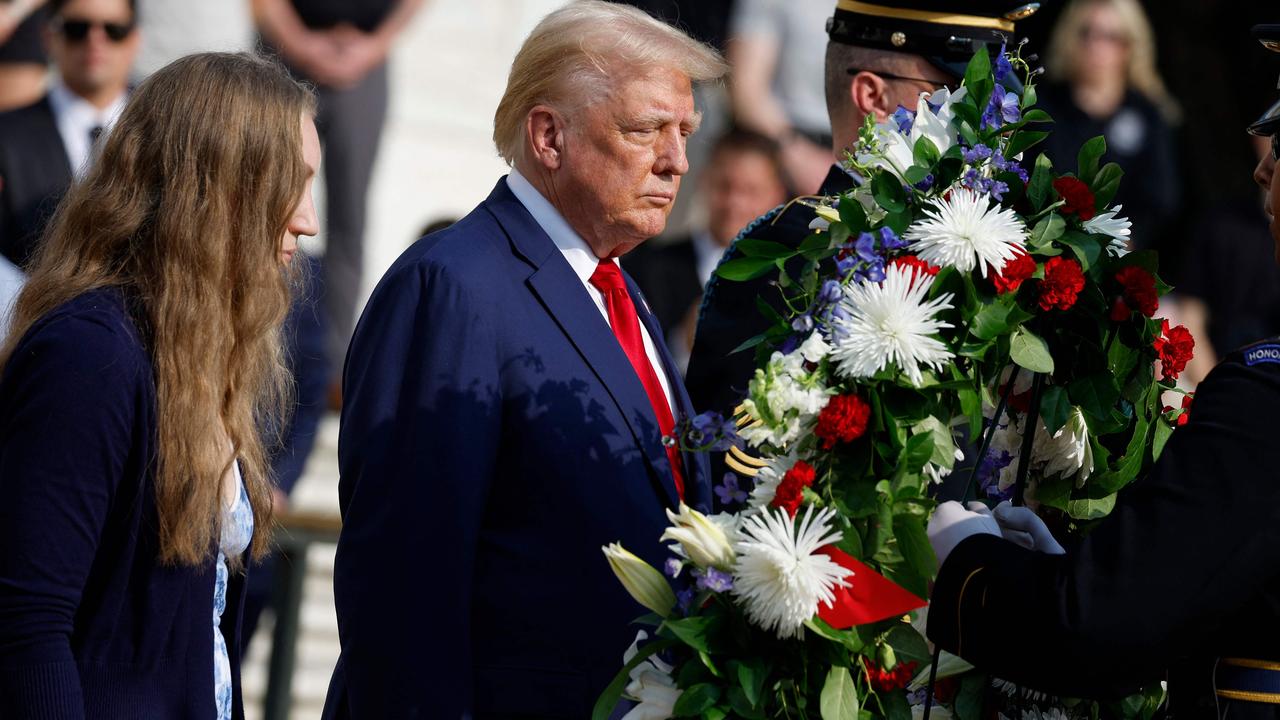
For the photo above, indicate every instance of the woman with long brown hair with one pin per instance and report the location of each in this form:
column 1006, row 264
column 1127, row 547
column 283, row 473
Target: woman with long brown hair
column 142, row 362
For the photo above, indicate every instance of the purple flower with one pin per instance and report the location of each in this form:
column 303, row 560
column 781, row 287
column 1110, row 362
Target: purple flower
column 685, row 599
column 926, row 183
column 865, row 246
column 1003, row 68
column 989, row 474
column 872, row 271
column 803, row 323
column 998, row 189
column 1003, row 108
column 673, row 567
column 831, row 292
column 714, row 580
column 904, row 119
column 846, row 265
column 889, row 240
column 975, row 154
column 729, row 492
column 790, row 344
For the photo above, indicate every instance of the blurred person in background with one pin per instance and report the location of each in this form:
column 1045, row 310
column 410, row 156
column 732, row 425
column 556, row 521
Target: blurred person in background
column 143, row 365
column 1102, row 80
column 743, row 179
column 776, row 49
column 173, row 28
column 11, row 280
column 23, row 61
column 341, row 46
column 43, row 146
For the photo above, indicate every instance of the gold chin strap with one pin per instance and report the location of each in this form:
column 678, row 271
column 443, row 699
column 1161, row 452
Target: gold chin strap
column 738, row 459
column 928, row 16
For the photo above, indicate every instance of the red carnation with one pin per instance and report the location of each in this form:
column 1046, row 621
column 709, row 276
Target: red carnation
column 889, row 680
column 1175, row 347
column 1063, row 281
column 790, row 491
column 1079, row 199
column 843, row 420
column 1185, row 417
column 1139, row 290
column 1015, row 272
column 919, row 268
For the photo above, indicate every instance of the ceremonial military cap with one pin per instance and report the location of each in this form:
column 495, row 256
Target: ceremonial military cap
column 1269, row 123
column 944, row 32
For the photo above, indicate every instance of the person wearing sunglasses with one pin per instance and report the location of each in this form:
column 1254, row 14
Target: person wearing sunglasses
column 880, row 55
column 45, row 145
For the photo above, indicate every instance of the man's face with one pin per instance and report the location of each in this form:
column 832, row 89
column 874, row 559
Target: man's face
column 623, row 159
column 94, row 62
column 1266, row 177
column 741, row 185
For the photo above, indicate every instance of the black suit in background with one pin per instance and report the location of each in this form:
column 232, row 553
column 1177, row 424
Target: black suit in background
column 34, row 175
column 667, row 274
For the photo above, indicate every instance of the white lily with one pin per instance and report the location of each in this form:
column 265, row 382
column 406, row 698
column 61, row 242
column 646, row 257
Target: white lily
column 641, row 580
column 704, row 541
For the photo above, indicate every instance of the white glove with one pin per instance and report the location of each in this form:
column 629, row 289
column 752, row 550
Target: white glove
column 952, row 523
column 1022, row 526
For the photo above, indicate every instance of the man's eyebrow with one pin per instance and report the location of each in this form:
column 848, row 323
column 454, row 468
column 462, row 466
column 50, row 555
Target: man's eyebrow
column 658, row 119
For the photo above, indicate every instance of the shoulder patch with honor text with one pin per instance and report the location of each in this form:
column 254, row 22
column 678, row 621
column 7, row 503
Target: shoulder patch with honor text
column 1262, row 354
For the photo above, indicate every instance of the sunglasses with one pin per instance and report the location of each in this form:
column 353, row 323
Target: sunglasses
column 891, row 76
column 1115, row 37
column 78, row 30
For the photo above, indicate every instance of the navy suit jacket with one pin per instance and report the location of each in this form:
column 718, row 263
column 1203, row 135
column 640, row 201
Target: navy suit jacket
column 494, row 438
column 34, row 175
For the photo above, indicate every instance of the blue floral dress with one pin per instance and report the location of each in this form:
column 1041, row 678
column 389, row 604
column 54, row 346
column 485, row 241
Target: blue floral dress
column 237, row 531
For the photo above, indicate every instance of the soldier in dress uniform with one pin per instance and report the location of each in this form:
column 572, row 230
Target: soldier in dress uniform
column 881, row 54
column 1181, row 582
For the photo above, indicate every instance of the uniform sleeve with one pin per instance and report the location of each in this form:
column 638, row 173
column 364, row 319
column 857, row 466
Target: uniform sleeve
column 417, row 450
column 67, row 416
column 1184, row 548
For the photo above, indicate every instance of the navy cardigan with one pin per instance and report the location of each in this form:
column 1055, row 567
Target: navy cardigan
column 91, row 624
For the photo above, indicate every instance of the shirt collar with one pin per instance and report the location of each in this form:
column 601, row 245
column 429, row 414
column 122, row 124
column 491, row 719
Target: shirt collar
column 67, row 104
column 569, row 242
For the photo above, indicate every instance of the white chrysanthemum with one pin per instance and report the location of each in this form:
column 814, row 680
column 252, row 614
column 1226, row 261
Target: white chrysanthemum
column 1068, row 452
column 1116, row 228
column 967, row 230
column 780, row 577
column 890, row 322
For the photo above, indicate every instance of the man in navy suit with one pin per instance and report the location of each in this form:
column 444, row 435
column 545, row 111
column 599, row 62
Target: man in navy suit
column 507, row 391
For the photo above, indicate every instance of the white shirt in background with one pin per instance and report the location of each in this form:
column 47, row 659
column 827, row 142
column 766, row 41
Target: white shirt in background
column 76, row 118
column 707, row 254
column 583, row 261
column 11, row 280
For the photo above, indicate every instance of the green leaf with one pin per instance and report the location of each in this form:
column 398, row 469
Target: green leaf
column 752, row 676
column 853, row 215
column 693, row 631
column 741, row 269
column 969, row 703
column 1087, row 159
column 1106, row 184
column 608, row 700
column 695, row 700
column 1049, row 228
column 888, row 193
column 1095, row 394
column 895, row 706
column 756, row 248
column 837, row 235
column 944, row 448
column 848, row 638
column 1164, row 431
column 1087, row 248
column 1041, row 182
column 839, row 699
column 1030, row 351
column 908, row 644
column 1024, row 140
column 1091, row 508
column 742, row 708
column 977, row 77
column 1036, row 116
column 925, row 153
column 715, row 713
column 1055, row 408
column 991, row 321
column 913, row 543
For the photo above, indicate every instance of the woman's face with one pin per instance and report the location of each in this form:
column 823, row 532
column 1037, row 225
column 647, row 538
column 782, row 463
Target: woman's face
column 1103, row 49
column 303, row 220
column 1265, row 176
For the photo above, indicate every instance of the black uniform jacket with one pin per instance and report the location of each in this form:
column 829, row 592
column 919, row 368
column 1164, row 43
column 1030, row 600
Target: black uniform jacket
column 34, row 175
column 1185, row 570
column 717, row 377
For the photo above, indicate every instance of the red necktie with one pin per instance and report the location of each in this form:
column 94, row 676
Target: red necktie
column 626, row 326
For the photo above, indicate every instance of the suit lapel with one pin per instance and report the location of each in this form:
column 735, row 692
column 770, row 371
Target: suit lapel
column 561, row 292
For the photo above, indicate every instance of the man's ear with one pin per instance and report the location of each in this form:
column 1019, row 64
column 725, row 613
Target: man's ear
column 545, row 130
column 870, row 94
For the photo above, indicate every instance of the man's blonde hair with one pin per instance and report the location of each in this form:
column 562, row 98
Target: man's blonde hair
column 571, row 57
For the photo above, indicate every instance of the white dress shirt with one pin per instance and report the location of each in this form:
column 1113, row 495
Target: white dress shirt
column 11, row 280
column 76, row 117
column 707, row 253
column 583, row 261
